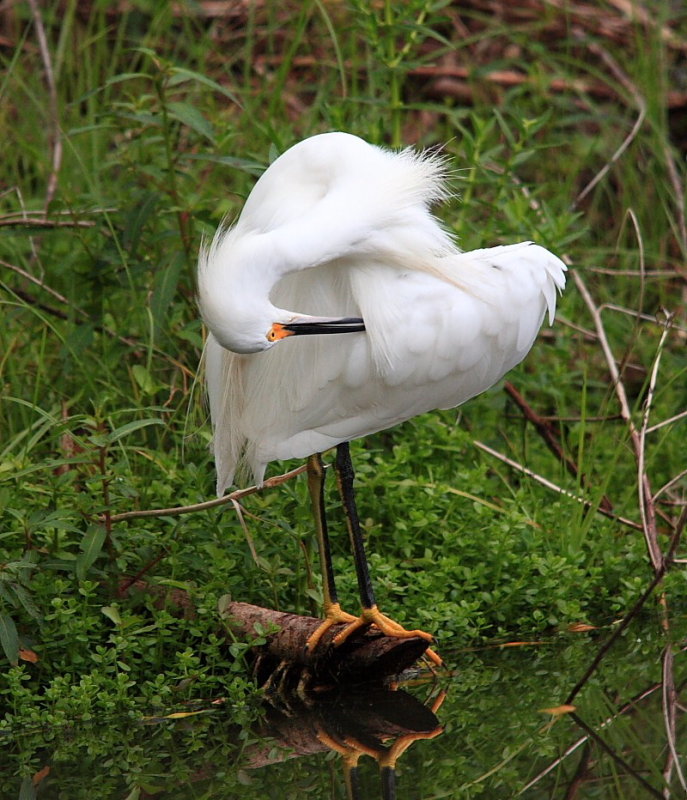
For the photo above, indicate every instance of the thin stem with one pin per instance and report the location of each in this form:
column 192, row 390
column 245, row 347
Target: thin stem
column 55, row 133
column 618, row 759
column 665, row 563
column 182, row 219
column 176, row 511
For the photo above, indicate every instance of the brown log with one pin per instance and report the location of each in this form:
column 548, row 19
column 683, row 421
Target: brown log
column 368, row 656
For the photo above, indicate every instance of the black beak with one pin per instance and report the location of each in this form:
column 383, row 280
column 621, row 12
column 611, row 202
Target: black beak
column 312, row 327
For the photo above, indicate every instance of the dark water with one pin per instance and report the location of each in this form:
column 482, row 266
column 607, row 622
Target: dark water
column 476, row 729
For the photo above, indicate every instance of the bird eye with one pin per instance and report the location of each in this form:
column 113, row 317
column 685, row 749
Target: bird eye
column 271, row 335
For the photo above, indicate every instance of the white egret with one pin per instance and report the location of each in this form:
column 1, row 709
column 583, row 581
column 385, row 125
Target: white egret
column 337, row 237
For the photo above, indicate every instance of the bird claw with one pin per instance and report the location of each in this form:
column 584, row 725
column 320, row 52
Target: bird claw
column 388, row 626
column 334, row 615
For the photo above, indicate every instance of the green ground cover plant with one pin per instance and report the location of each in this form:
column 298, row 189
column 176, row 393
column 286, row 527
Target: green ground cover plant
column 129, row 133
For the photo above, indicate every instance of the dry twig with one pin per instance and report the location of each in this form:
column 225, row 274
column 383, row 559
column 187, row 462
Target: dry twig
column 554, row 487
column 176, row 511
column 641, row 106
column 627, row 708
column 648, row 520
column 544, row 429
column 669, row 703
column 598, row 740
column 54, row 120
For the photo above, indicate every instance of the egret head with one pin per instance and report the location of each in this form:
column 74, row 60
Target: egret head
column 254, row 332
column 235, row 302
column 242, row 318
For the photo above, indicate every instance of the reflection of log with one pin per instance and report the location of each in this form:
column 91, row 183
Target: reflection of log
column 367, row 657
column 360, row 719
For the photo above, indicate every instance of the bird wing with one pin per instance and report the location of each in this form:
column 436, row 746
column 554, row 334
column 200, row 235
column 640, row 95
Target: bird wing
column 434, row 338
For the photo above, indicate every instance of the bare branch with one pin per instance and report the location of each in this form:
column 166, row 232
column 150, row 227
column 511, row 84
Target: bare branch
column 38, row 282
column 631, row 312
column 44, row 222
column 554, row 487
column 55, row 133
column 669, row 702
column 55, row 312
column 646, row 507
column 606, row 347
column 627, row 707
column 670, row 483
column 176, row 511
column 663, row 567
column 639, row 102
column 592, row 734
column 551, row 440
column 665, row 422
column 582, row 773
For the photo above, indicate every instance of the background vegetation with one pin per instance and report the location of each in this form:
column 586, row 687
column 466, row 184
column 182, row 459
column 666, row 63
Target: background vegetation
column 129, row 131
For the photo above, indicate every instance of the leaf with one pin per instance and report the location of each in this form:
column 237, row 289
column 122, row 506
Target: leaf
column 136, row 220
column 558, row 711
column 244, row 778
column 144, row 379
column 130, row 427
column 184, row 714
column 28, row 655
column 27, row 790
column 154, row 120
column 125, row 76
column 190, row 116
column 181, row 74
column 41, row 775
column 26, row 600
column 91, row 547
column 191, row 335
column 243, row 164
column 164, row 290
column 223, row 605
column 9, row 639
column 5, row 594
column 112, row 613
column 42, row 466
column 581, row 627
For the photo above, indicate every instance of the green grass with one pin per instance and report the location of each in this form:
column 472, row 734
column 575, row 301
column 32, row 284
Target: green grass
column 165, row 122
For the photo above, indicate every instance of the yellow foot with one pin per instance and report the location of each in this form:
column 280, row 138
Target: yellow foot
column 333, row 616
column 391, row 756
column 388, row 626
column 350, row 749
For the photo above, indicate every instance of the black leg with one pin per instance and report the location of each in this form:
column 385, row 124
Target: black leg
column 352, row 781
column 345, row 476
column 388, row 777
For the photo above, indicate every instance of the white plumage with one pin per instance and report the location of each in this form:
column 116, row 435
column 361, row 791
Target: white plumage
column 338, row 228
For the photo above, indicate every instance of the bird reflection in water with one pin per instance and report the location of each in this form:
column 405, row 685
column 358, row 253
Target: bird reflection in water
column 381, row 723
